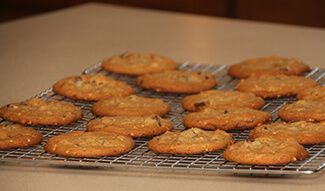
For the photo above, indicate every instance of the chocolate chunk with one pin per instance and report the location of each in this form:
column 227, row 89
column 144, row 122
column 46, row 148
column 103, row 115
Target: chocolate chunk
column 283, row 69
column 157, row 119
column 77, row 78
column 199, row 105
column 250, row 121
column 250, row 141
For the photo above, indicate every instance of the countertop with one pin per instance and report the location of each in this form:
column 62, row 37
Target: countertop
column 37, row 51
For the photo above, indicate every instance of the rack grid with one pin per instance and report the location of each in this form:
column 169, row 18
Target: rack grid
column 141, row 156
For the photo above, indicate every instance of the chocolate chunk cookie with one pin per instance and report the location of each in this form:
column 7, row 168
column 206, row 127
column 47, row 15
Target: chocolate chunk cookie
column 190, row 141
column 138, row 64
column 303, row 110
column 226, row 118
column 306, row 133
column 15, row 136
column 37, row 111
column 91, row 88
column 219, row 98
column 268, row 65
column 89, row 144
column 177, row 81
column 130, row 105
column 265, row 151
column 134, row 126
column 312, row 94
column 271, row 86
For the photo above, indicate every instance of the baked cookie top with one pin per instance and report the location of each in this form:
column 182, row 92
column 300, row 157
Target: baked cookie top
column 306, row 133
column 312, row 94
column 265, row 151
column 91, row 88
column 190, row 141
column 89, row 144
column 219, row 98
column 130, row 105
column 134, row 126
column 177, row 81
column 15, row 136
column 138, row 64
column 303, row 110
column 226, row 118
column 268, row 65
column 271, row 86
column 37, row 111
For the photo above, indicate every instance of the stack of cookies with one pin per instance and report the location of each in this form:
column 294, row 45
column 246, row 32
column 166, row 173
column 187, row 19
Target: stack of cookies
column 210, row 114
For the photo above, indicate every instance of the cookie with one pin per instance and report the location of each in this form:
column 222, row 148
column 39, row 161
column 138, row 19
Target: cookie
column 89, row 144
column 303, row 110
column 219, row 98
column 15, row 136
column 305, row 133
column 265, row 151
column 268, row 65
column 91, row 88
column 37, row 111
column 138, row 64
column 190, row 141
column 312, row 94
column 271, row 86
column 134, row 126
column 177, row 81
column 226, row 118
column 130, row 105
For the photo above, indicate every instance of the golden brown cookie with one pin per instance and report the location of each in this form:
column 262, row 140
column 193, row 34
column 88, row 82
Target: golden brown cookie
column 265, row 151
column 219, row 98
column 303, row 110
column 271, row 86
column 306, row 133
column 37, row 111
column 15, row 136
column 134, row 126
column 91, row 88
column 229, row 118
column 89, row 144
column 268, row 65
column 138, row 64
column 190, row 141
column 177, row 81
column 312, row 94
column 130, row 105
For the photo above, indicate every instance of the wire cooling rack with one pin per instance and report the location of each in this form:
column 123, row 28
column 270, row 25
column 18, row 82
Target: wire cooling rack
column 140, row 156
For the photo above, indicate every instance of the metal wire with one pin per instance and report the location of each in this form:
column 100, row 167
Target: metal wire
column 141, row 156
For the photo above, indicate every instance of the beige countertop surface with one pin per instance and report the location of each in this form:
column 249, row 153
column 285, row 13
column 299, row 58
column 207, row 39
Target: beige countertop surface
column 37, row 51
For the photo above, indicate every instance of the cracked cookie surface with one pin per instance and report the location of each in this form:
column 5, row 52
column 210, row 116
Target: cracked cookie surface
column 265, row 151
column 177, row 81
column 303, row 110
column 134, row 126
column 312, row 94
column 219, row 98
column 138, row 64
column 89, row 144
column 226, row 118
column 268, row 65
column 130, row 105
column 16, row 136
column 272, row 86
column 37, row 111
column 91, row 88
column 190, row 141
column 305, row 133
